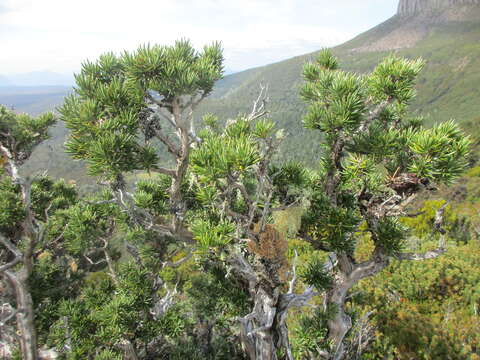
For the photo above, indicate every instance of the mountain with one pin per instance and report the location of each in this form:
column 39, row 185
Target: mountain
column 41, row 78
column 412, row 7
column 51, row 154
column 33, row 99
column 445, row 33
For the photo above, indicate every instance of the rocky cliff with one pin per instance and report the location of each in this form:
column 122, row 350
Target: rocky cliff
column 410, row 7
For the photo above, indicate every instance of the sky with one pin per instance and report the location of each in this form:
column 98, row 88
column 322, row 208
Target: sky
column 58, row 35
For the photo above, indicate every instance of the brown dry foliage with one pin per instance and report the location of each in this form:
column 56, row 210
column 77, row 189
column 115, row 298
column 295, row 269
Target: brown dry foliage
column 272, row 245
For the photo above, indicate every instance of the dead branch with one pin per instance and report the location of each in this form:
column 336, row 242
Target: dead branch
column 259, row 105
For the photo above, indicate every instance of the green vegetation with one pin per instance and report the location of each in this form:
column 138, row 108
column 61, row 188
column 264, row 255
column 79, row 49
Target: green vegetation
column 447, row 88
column 225, row 250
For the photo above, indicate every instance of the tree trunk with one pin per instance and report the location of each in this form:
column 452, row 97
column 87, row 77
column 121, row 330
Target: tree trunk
column 25, row 315
column 264, row 332
column 340, row 323
column 128, row 349
column 176, row 196
column 257, row 328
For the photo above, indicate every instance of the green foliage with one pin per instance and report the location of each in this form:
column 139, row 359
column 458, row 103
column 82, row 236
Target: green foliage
column 372, row 151
column 362, row 159
column 108, row 355
column 12, row 211
column 230, row 298
column 211, row 234
column 447, row 88
column 326, row 60
column 52, row 283
column 337, row 101
column 439, row 153
column 372, row 174
column 394, row 78
column 109, row 107
column 106, row 314
column 173, row 324
column 220, row 155
column 82, row 225
column 425, row 309
column 310, row 334
column 390, row 235
column 21, row 133
column 49, row 196
column 422, row 225
column 153, row 195
column 176, row 70
column 329, row 224
column 314, row 274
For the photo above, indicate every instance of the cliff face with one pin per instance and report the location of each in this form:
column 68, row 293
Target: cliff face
column 411, row 7
column 415, row 21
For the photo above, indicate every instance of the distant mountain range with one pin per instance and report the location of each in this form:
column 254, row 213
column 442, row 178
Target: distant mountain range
column 37, row 78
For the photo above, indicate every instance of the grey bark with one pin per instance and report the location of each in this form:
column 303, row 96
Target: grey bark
column 25, row 314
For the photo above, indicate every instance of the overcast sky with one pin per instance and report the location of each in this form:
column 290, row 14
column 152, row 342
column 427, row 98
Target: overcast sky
column 57, row 35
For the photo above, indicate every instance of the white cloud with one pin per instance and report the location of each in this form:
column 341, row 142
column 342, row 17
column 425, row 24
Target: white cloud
column 57, row 35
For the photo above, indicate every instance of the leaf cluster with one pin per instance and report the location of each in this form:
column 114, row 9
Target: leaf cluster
column 21, row 133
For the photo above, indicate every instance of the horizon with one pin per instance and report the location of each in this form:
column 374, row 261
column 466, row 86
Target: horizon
column 253, row 33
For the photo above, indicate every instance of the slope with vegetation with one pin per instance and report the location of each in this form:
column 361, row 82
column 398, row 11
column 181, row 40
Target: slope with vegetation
column 445, row 35
column 123, row 273
column 446, row 38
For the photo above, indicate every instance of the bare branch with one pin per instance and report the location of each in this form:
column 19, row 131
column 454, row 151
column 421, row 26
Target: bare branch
column 241, row 265
column 290, row 300
column 160, row 105
column 101, row 202
column 11, row 163
column 374, row 113
column 172, row 148
column 285, row 207
column 94, row 263
column 243, row 190
column 259, row 105
column 293, row 282
column 178, row 262
column 13, row 313
column 371, row 267
column 413, row 215
column 11, row 264
column 425, row 256
column 162, row 305
column 165, row 171
column 194, row 101
column 10, row 246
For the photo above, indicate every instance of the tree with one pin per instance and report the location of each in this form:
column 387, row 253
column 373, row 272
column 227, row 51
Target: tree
column 211, row 206
column 20, row 224
column 220, row 198
column 152, row 91
column 241, row 188
column 376, row 160
column 149, row 93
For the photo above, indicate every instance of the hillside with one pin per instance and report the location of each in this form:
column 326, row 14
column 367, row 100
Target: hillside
column 444, row 33
column 33, row 99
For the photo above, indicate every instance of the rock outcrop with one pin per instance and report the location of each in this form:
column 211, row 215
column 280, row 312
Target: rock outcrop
column 416, row 19
column 411, row 7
